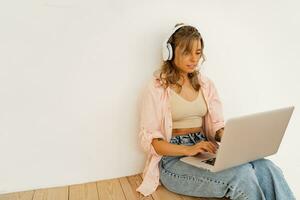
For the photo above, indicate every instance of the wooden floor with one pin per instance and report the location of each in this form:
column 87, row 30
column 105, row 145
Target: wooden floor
column 113, row 189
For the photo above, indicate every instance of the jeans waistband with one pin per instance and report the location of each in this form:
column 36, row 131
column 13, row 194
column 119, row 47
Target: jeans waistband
column 188, row 139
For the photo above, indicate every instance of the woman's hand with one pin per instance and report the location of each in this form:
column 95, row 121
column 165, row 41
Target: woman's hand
column 203, row 146
column 219, row 134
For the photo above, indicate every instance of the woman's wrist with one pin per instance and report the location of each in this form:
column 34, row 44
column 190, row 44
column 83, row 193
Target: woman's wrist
column 184, row 150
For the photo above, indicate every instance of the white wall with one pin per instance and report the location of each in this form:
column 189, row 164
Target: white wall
column 71, row 73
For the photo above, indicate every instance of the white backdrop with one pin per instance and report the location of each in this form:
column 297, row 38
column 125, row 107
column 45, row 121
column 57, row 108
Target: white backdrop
column 71, row 74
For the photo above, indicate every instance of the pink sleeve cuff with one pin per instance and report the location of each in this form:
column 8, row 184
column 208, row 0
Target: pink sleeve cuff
column 146, row 138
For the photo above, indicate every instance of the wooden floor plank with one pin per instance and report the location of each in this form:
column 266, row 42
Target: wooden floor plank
column 135, row 181
column 27, row 195
column 128, row 190
column 110, row 190
column 56, row 193
column 86, row 191
column 123, row 188
column 162, row 193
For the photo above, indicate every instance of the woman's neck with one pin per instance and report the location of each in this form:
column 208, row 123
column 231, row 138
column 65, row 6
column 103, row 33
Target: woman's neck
column 184, row 80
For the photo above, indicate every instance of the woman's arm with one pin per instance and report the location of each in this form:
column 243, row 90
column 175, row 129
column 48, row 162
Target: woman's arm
column 165, row 148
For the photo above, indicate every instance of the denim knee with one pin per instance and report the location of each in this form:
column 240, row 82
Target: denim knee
column 265, row 164
column 271, row 179
column 245, row 184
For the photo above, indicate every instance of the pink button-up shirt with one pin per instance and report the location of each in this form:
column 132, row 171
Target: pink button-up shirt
column 156, row 122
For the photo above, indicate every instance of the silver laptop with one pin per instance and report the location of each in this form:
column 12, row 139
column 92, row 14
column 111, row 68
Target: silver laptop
column 246, row 138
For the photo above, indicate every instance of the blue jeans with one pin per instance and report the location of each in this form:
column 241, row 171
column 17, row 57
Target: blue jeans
column 257, row 180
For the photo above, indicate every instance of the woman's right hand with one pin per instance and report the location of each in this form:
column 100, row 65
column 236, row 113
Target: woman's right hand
column 200, row 147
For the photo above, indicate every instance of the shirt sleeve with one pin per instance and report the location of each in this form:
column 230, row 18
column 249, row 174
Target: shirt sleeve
column 150, row 119
column 216, row 109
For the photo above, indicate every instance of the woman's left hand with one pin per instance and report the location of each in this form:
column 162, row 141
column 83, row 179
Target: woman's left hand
column 219, row 134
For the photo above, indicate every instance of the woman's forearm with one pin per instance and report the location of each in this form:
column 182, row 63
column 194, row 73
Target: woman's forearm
column 165, row 148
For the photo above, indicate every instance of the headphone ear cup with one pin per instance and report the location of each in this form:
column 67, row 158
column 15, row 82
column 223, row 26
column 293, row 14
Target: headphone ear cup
column 170, row 50
column 165, row 51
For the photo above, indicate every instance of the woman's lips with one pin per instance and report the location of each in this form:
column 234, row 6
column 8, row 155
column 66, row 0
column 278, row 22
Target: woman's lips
column 191, row 66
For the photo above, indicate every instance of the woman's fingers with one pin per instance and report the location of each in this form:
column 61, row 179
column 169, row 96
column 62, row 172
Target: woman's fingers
column 211, row 149
column 214, row 148
column 208, row 146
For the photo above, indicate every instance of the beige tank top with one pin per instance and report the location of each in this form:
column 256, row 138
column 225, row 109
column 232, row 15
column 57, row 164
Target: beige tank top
column 187, row 114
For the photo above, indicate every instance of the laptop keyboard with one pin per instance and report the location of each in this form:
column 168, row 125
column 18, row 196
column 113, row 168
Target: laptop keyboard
column 210, row 161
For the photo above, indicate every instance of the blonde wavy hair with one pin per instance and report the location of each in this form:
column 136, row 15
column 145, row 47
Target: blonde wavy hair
column 168, row 72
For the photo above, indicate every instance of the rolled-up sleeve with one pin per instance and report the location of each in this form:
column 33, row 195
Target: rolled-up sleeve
column 150, row 119
column 216, row 109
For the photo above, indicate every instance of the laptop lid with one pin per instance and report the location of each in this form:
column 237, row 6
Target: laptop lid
column 250, row 137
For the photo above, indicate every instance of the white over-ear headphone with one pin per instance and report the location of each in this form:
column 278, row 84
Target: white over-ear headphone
column 167, row 50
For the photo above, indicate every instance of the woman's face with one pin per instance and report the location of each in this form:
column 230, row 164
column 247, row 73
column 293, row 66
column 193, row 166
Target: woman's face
column 187, row 62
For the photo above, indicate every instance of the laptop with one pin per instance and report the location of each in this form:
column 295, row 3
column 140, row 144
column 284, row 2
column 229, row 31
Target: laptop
column 246, row 138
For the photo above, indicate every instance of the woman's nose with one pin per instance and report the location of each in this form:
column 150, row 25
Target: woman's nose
column 193, row 58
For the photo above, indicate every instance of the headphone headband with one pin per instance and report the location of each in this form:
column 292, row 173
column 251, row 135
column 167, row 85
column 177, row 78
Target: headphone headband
column 173, row 31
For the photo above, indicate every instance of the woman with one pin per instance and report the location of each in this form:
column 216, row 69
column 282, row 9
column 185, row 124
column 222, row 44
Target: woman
column 182, row 115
